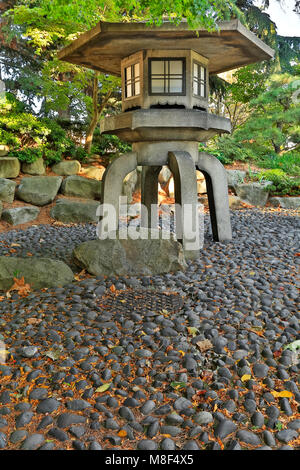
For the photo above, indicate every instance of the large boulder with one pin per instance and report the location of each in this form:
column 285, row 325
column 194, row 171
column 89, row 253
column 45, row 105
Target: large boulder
column 7, row 190
column 68, row 211
column 235, row 177
column 67, row 168
column 164, row 175
column 4, row 149
column 9, row 167
column 39, row 190
column 20, row 215
column 234, row 202
column 255, row 194
column 122, row 256
column 38, row 272
column 201, row 183
column 285, row 202
column 79, row 186
column 93, row 172
column 36, row 168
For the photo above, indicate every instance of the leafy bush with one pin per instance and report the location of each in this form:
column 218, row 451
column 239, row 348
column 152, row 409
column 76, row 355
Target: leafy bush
column 52, row 156
column 57, row 138
column 282, row 183
column 77, row 153
column 27, row 155
column 9, row 138
column 19, row 128
column 289, row 162
column 227, row 150
column 104, row 144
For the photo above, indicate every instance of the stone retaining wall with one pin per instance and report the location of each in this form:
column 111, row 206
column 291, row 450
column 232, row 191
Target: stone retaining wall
column 72, row 181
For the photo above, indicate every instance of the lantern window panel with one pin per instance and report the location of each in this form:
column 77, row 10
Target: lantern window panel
column 132, row 80
column 166, row 76
column 199, row 80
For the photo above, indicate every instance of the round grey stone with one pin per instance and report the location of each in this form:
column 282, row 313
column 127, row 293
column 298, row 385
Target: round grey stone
column 147, row 444
column 32, row 442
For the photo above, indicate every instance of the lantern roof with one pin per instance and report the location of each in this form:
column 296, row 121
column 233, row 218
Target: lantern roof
column 103, row 47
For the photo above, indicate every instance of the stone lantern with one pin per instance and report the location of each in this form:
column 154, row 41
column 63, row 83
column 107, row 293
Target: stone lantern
column 165, row 86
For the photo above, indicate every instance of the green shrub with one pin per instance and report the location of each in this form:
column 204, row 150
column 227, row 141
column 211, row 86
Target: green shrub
column 52, row 156
column 104, row 144
column 57, row 138
column 9, row 138
column 289, row 162
column 27, row 155
column 227, row 150
column 77, row 153
column 282, row 183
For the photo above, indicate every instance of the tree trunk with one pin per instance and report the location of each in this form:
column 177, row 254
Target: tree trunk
column 97, row 110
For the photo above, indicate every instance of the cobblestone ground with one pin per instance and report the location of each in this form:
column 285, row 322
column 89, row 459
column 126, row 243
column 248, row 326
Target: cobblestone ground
column 220, row 373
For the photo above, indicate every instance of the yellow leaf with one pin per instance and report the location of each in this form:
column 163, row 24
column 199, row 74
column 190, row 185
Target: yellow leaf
column 246, row 377
column 181, row 352
column 283, row 394
column 103, row 387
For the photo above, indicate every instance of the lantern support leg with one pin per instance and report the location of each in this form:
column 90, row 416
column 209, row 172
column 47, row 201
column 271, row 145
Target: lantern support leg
column 217, row 193
column 112, row 184
column 186, row 201
column 149, row 199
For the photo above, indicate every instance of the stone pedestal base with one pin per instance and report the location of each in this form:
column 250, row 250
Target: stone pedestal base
column 183, row 164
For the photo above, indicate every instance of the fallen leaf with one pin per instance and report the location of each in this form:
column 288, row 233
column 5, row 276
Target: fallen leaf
column 245, row 377
column 78, row 276
column 204, row 345
column 103, row 387
column 34, row 321
column 282, row 394
column 293, row 346
column 20, row 286
column 178, row 385
column 54, row 355
column 112, row 288
column 122, row 433
column 192, row 330
column 220, row 443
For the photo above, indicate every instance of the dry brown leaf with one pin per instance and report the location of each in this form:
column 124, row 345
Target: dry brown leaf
column 20, row 286
column 34, row 321
column 204, row 345
column 77, row 277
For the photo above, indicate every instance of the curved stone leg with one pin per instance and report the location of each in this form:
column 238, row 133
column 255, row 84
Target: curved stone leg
column 217, row 192
column 149, row 215
column 186, row 209
column 112, row 184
